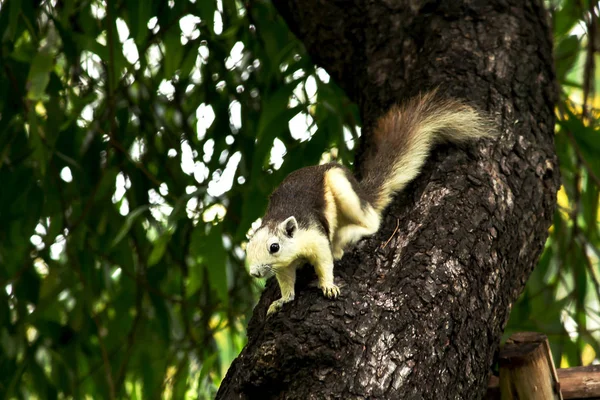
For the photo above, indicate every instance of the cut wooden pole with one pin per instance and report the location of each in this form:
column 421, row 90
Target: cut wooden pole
column 527, row 370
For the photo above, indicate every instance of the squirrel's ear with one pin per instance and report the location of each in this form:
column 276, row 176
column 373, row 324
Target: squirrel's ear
column 289, row 226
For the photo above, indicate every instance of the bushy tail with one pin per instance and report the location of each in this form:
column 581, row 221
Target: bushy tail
column 403, row 138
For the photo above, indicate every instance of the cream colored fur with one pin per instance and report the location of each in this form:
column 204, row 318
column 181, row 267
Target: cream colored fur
column 351, row 220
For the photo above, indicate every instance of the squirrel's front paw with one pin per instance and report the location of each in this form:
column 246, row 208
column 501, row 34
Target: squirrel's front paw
column 330, row 290
column 276, row 306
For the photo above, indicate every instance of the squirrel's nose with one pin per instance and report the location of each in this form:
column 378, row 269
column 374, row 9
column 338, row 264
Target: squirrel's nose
column 254, row 273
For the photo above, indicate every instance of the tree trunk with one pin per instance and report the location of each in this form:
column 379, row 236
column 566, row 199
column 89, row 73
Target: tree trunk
column 425, row 300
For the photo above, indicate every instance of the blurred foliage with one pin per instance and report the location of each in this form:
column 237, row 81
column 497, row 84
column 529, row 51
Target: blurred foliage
column 139, row 140
column 147, row 136
column 562, row 296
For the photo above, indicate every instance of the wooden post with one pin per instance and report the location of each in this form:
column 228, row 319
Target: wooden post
column 527, row 370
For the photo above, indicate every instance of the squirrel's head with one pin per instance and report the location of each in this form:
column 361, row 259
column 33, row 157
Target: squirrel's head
column 272, row 247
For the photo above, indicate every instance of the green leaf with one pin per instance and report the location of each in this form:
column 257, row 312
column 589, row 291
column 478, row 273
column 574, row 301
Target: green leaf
column 586, row 136
column 566, row 18
column 91, row 45
column 158, row 250
column 195, row 278
column 36, row 135
column 173, row 51
column 581, row 277
column 189, row 61
column 206, row 12
column 208, row 251
column 129, row 220
column 14, row 8
column 180, row 380
column 162, row 313
column 589, row 205
column 149, row 373
column 39, row 74
column 28, row 287
column 207, row 367
column 140, row 15
column 565, row 55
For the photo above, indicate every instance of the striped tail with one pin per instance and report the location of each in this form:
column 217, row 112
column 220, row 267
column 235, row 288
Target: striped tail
column 403, row 139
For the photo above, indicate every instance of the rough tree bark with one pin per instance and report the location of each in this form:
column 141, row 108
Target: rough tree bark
column 422, row 316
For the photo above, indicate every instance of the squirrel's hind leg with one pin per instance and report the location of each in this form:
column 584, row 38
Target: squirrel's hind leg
column 355, row 218
column 348, row 235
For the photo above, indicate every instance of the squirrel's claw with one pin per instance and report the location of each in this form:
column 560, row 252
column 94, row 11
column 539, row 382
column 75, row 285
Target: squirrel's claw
column 277, row 304
column 330, row 290
column 338, row 253
column 274, row 307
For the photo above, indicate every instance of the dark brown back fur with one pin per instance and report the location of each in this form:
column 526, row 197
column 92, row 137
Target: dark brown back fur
column 302, row 195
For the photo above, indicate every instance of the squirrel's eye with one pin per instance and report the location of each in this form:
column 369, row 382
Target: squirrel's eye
column 274, row 248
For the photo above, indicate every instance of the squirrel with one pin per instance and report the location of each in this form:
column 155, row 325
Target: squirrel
column 319, row 211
